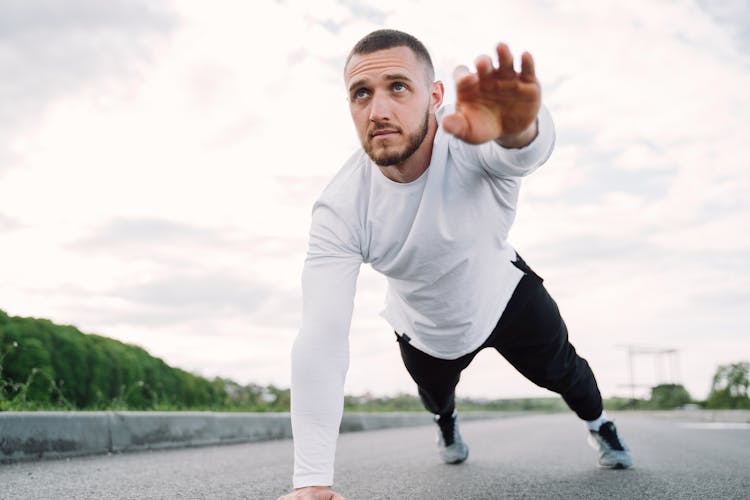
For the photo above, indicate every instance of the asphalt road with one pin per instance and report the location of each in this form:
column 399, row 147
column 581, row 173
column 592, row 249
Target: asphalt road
column 530, row 457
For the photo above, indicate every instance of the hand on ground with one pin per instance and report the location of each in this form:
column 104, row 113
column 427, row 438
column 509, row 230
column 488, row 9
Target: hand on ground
column 313, row 493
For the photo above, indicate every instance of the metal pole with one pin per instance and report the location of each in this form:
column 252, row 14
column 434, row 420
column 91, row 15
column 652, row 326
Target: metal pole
column 631, row 376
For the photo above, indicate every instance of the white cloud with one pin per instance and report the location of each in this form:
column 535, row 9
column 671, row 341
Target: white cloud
column 54, row 50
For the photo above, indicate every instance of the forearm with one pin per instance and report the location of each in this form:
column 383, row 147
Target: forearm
column 320, row 359
column 317, row 406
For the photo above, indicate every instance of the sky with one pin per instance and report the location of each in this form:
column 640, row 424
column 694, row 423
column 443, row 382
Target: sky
column 159, row 161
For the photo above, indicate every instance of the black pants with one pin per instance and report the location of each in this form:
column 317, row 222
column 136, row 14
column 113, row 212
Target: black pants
column 533, row 337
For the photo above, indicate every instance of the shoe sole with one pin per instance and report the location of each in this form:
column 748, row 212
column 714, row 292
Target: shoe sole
column 617, row 466
column 459, row 461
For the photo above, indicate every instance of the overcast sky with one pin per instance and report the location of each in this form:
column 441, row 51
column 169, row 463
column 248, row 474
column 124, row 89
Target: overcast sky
column 159, row 160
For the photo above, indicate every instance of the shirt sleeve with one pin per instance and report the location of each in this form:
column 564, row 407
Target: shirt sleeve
column 320, row 355
column 504, row 162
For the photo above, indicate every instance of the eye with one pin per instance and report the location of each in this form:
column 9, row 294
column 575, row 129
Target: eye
column 399, row 87
column 360, row 94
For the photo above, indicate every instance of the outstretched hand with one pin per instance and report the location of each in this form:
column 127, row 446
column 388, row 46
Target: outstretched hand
column 496, row 103
column 313, row 493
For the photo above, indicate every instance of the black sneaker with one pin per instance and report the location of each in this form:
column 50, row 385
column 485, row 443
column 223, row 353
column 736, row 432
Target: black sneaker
column 613, row 452
column 451, row 447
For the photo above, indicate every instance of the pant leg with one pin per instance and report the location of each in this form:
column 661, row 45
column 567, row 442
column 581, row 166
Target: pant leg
column 536, row 343
column 436, row 378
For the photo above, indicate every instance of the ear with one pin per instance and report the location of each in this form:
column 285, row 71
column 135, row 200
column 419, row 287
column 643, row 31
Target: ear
column 437, row 92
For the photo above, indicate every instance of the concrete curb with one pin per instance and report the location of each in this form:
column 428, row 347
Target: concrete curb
column 28, row 436
column 718, row 416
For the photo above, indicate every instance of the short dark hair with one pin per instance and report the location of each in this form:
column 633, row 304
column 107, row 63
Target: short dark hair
column 388, row 39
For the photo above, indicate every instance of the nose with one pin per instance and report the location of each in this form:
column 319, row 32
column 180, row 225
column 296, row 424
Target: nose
column 380, row 108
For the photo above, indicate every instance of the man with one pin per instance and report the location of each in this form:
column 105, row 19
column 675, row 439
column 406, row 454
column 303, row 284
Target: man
column 428, row 202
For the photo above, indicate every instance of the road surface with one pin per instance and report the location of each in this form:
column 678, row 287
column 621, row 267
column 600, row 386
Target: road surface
column 529, row 457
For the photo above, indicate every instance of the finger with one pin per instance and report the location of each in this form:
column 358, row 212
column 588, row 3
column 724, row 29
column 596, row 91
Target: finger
column 528, row 72
column 504, row 57
column 484, row 66
column 460, row 72
column 464, row 79
column 455, row 124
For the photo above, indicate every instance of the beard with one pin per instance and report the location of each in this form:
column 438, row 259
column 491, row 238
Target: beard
column 389, row 158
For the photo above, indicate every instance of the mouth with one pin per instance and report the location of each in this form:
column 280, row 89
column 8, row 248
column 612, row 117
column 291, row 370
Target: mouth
column 383, row 133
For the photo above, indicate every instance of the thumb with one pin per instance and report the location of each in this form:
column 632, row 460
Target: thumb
column 456, row 124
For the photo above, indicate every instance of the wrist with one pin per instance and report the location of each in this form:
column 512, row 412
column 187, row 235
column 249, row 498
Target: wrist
column 521, row 139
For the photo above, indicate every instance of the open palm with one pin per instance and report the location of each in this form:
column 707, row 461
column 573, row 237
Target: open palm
column 496, row 103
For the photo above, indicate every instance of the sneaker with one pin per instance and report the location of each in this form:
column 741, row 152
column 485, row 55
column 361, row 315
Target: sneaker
column 452, row 448
column 613, row 452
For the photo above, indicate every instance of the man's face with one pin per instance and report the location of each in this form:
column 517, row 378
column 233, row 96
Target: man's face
column 391, row 103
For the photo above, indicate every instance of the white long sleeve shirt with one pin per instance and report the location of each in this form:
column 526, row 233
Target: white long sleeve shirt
column 441, row 242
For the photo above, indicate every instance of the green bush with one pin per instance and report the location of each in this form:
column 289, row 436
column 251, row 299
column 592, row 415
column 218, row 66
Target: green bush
column 44, row 365
column 668, row 397
column 729, row 388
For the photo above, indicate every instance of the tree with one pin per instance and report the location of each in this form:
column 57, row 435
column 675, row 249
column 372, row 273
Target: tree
column 668, row 397
column 730, row 385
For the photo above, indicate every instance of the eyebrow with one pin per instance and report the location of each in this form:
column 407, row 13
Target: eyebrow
column 389, row 77
column 397, row 76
